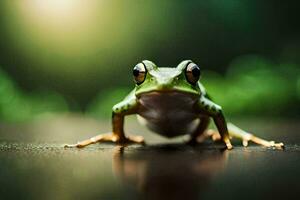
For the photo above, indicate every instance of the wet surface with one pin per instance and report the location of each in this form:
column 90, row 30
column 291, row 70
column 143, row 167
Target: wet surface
column 44, row 169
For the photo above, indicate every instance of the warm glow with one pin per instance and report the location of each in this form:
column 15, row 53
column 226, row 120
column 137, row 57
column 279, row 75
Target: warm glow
column 68, row 37
column 58, row 8
column 56, row 13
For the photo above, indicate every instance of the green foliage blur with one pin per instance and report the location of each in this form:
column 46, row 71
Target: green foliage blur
column 59, row 56
column 17, row 106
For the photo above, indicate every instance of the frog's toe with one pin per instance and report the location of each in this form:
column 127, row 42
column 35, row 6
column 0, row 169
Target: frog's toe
column 70, row 145
column 228, row 143
column 245, row 143
column 277, row 145
column 135, row 139
column 245, row 140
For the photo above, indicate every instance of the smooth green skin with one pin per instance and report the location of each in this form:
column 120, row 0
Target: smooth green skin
column 165, row 80
column 172, row 79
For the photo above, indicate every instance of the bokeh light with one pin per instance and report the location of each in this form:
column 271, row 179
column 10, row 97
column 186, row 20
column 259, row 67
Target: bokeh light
column 80, row 54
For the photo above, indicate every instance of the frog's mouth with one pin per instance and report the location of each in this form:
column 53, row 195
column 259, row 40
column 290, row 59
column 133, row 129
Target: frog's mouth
column 187, row 93
column 167, row 93
column 167, row 98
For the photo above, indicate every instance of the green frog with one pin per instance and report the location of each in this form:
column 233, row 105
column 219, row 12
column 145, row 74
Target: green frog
column 172, row 102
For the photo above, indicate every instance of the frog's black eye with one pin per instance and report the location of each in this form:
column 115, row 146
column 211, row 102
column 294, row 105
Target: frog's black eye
column 192, row 73
column 139, row 73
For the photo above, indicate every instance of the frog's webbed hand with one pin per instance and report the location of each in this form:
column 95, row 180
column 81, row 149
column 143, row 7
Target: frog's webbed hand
column 215, row 111
column 120, row 110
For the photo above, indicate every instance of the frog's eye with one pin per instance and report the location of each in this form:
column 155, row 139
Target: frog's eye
column 139, row 73
column 192, row 73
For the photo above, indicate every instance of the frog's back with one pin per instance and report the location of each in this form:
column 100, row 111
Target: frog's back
column 169, row 113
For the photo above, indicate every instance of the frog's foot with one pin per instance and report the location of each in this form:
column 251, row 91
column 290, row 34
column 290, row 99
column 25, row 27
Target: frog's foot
column 246, row 137
column 213, row 134
column 114, row 138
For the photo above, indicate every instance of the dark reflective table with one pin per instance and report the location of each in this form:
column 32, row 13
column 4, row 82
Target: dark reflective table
column 39, row 168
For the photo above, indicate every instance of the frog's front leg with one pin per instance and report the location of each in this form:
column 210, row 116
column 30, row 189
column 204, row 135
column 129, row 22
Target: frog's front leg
column 209, row 108
column 120, row 110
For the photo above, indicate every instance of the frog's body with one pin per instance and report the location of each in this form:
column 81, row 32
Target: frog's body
column 168, row 113
column 171, row 102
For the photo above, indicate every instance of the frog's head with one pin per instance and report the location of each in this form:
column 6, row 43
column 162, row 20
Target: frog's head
column 150, row 78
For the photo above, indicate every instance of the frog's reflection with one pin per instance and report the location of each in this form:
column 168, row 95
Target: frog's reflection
column 168, row 171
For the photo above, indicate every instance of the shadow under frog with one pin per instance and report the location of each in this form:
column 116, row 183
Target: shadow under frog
column 169, row 171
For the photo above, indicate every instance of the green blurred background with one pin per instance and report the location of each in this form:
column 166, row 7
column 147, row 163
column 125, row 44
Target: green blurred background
column 60, row 56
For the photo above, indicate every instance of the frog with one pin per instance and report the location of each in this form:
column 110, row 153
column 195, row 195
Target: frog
column 171, row 101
